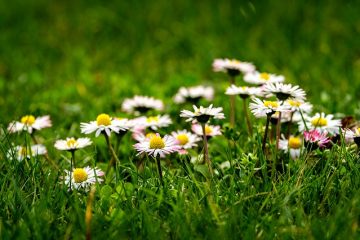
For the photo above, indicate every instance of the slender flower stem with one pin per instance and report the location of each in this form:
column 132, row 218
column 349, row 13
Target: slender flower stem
column 88, row 213
column 289, row 125
column 160, row 171
column 206, row 151
column 112, row 151
column 73, row 165
column 278, row 131
column 266, row 132
column 248, row 123
column 232, row 104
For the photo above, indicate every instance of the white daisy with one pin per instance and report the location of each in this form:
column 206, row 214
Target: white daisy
column 322, row 123
column 29, row 123
column 203, row 114
column 154, row 122
column 22, row 152
column 243, row 91
column 232, row 67
column 262, row 78
column 296, row 106
column 141, row 104
column 103, row 123
column 185, row 139
column 210, row 130
column 262, row 108
column 72, row 144
column 291, row 145
column 83, row 178
column 156, row 145
column 284, row 91
column 193, row 94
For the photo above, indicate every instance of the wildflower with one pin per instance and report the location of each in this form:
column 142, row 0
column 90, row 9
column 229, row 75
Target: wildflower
column 22, row 152
column 154, row 122
column 72, row 144
column 232, row 67
column 141, row 104
column 210, row 130
column 203, row 114
column 194, row 94
column 352, row 135
column 262, row 108
column 322, row 123
column 262, row 78
column 157, row 146
column 83, row 178
column 291, row 145
column 103, row 124
column 299, row 106
column 244, row 91
column 315, row 139
column 185, row 139
column 284, row 91
column 29, row 123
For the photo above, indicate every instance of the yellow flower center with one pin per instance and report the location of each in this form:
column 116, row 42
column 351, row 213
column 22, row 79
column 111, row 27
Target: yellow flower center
column 183, row 139
column 80, row 175
column 234, row 61
column 271, row 104
column 208, row 130
column 150, row 135
column 294, row 103
column 23, row 151
column 28, row 120
column 71, row 142
column 244, row 88
column 156, row 142
column 265, row 76
column 319, row 122
column 294, row 142
column 103, row 119
column 152, row 119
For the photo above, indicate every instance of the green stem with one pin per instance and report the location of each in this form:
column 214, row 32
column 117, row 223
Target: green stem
column 160, row 171
column 206, row 150
column 247, row 117
column 112, row 151
column 266, row 132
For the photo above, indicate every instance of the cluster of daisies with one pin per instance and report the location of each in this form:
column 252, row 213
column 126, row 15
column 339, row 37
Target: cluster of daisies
column 283, row 106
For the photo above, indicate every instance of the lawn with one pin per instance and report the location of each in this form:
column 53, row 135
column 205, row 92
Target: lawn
column 73, row 60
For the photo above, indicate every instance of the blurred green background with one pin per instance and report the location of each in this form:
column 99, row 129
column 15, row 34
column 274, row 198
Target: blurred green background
column 74, row 59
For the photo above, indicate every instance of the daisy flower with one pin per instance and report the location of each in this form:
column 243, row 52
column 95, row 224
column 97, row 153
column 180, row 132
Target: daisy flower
column 244, row 91
column 315, row 139
column 154, row 122
column 141, row 104
column 262, row 108
column 29, row 123
column 352, row 135
column 297, row 106
column 193, row 94
column 186, row 139
column 262, row 78
column 322, row 123
column 291, row 145
column 203, row 114
column 210, row 130
column 232, row 67
column 83, row 178
column 103, row 123
column 156, row 145
column 284, row 91
column 72, row 144
column 22, row 152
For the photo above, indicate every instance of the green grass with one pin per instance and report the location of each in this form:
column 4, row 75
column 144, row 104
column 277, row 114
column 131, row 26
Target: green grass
column 76, row 59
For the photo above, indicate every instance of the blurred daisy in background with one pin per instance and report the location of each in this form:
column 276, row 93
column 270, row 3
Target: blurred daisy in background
column 103, row 124
column 203, row 114
column 291, row 145
column 141, row 104
column 210, row 130
column 72, row 144
column 29, row 123
column 322, row 123
column 233, row 67
column 352, row 135
column 284, row 91
column 262, row 78
column 157, row 146
column 154, row 122
column 83, row 178
column 299, row 105
column 194, row 94
column 186, row 139
column 22, row 152
column 243, row 91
